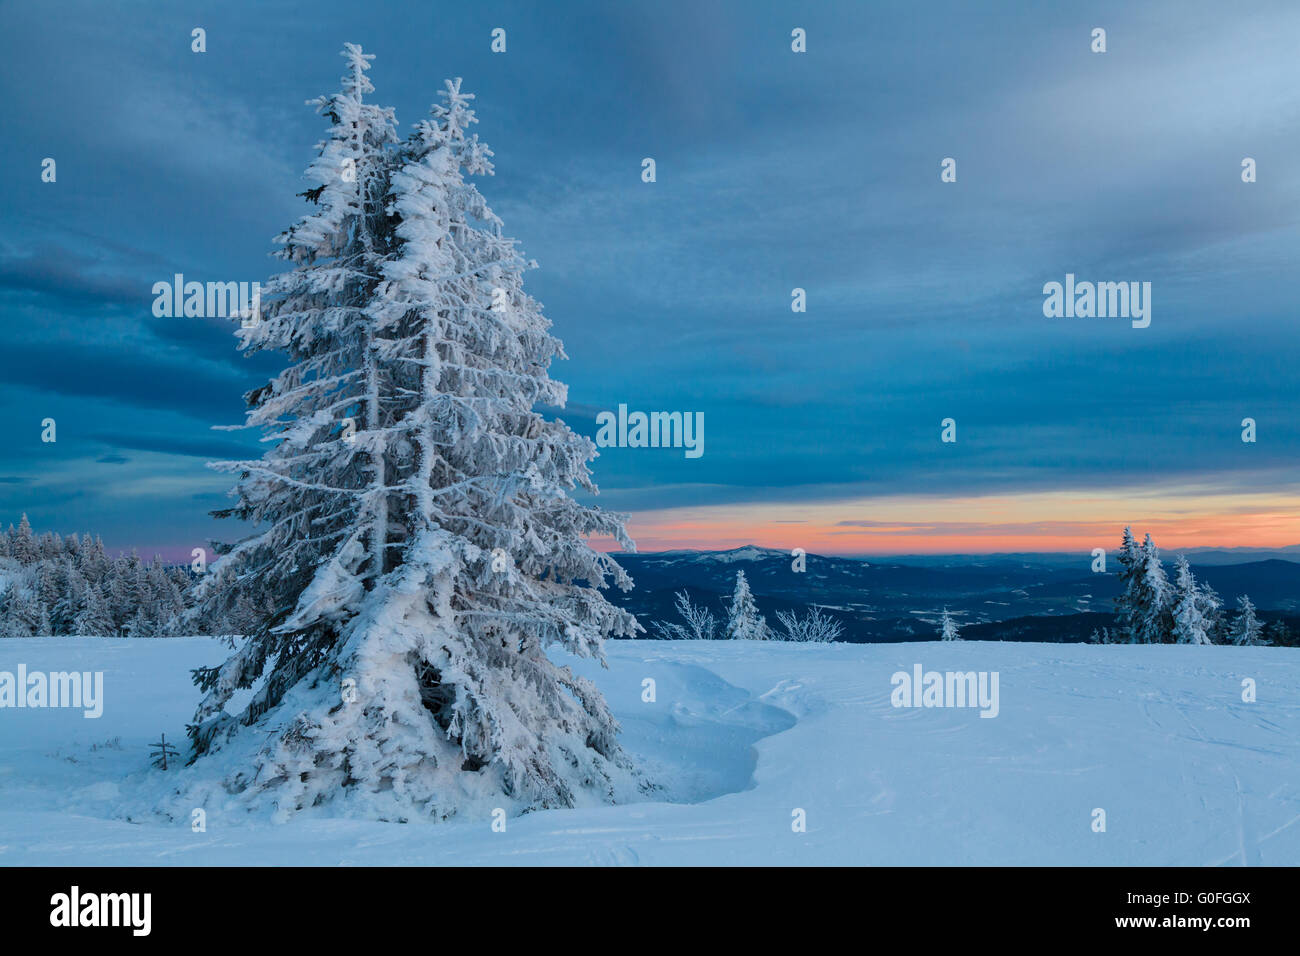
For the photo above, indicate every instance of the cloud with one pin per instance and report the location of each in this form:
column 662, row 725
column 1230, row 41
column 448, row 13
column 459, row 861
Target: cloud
column 69, row 277
column 213, row 449
column 130, row 377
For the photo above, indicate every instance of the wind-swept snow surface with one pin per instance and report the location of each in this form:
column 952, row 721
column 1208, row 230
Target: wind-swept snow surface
column 743, row 734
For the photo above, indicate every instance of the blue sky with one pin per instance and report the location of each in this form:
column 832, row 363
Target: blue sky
column 775, row 170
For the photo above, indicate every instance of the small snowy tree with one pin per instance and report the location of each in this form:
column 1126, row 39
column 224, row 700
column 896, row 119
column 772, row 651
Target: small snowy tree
column 71, row 587
column 1212, row 610
column 24, row 548
column 1277, row 634
column 94, row 619
column 1153, row 604
column 669, row 631
column 744, row 623
column 948, row 628
column 813, row 628
column 1130, row 563
column 1191, row 626
column 24, row 615
column 699, row 623
column 164, row 601
column 1246, row 629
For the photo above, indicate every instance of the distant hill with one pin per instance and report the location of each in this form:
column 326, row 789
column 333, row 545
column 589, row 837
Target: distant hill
column 1197, row 556
column 1273, row 584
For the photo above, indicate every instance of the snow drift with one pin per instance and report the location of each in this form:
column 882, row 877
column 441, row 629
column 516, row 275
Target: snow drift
column 742, row 734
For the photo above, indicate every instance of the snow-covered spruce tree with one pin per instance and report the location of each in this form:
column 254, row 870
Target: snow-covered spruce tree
column 1246, row 629
column 24, row 542
column 744, row 623
column 948, row 628
column 1191, row 626
column 1212, row 610
column 70, row 591
column 1153, row 601
column 24, row 615
column 1130, row 583
column 94, row 617
column 411, row 675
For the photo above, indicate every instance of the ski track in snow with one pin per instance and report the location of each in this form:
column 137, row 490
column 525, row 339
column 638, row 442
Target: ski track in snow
column 739, row 736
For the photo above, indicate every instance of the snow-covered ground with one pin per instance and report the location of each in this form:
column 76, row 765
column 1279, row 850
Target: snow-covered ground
column 741, row 735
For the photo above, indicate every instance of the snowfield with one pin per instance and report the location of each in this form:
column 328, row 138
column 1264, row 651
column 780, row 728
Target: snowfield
column 741, row 735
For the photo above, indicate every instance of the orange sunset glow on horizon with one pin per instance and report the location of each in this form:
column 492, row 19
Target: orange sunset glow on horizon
column 1059, row 521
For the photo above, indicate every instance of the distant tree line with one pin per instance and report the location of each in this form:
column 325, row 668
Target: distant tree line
column 54, row 586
